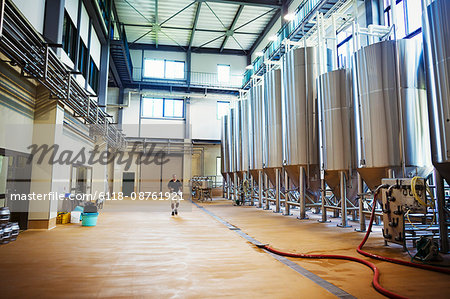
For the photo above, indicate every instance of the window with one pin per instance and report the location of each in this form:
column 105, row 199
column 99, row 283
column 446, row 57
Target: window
column 222, row 108
column 218, row 166
column 93, row 76
column 163, row 69
column 174, row 69
column 162, row 108
column 408, row 17
column 69, row 38
column 152, row 107
column 223, row 73
column 173, row 108
column 153, row 68
column 83, row 59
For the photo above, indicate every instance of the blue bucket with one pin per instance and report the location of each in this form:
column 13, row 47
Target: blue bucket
column 89, row 219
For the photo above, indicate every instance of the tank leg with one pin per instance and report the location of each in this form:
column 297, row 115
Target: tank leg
column 260, row 188
column 265, row 194
column 277, row 190
column 343, row 187
column 323, row 201
column 443, row 229
column 362, row 217
column 236, row 184
column 287, row 206
column 302, row 188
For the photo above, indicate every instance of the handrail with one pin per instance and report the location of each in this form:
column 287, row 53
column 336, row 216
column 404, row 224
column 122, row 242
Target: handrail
column 26, row 48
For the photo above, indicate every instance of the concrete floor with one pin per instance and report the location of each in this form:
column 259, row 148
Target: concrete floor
column 139, row 250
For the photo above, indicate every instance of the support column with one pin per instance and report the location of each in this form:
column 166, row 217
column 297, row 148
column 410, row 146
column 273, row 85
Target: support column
column 302, row 189
column 343, row 188
column 46, row 177
column 103, row 75
column 443, row 228
column 277, row 190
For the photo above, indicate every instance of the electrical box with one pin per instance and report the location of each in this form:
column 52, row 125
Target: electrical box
column 397, row 200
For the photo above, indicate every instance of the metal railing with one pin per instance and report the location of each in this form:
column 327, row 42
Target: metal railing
column 200, row 79
column 27, row 49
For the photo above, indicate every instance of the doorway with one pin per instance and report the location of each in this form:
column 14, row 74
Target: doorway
column 128, row 183
column 15, row 178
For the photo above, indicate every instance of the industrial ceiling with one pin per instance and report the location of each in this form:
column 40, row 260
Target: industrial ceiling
column 222, row 25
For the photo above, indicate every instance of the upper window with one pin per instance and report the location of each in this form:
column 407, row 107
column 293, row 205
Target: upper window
column 162, row 108
column 174, row 69
column 69, row 38
column 408, row 17
column 222, row 108
column 163, row 69
column 223, row 72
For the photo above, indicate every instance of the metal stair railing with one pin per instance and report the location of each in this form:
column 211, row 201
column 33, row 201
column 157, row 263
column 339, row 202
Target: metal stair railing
column 27, row 49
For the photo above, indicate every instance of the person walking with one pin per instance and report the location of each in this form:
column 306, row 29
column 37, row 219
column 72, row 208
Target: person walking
column 175, row 188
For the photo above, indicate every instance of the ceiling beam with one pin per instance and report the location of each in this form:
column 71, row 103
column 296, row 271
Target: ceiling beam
column 233, row 24
column 190, row 29
column 260, row 3
column 157, row 22
column 141, row 46
column 194, row 27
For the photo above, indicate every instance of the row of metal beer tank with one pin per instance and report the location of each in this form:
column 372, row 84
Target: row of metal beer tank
column 374, row 120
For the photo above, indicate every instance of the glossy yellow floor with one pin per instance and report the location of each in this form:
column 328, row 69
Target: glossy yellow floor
column 139, row 250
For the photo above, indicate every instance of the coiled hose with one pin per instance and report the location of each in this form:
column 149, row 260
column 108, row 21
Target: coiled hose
column 376, row 272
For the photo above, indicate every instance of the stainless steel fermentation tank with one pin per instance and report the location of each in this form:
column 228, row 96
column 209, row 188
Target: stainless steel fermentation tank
column 436, row 36
column 242, row 141
column 392, row 117
column 273, row 147
column 338, row 148
column 225, row 155
column 300, row 68
column 257, row 130
column 224, row 147
column 338, row 132
column 231, row 144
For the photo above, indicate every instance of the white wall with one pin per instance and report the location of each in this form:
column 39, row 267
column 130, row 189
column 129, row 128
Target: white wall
column 207, row 63
column 96, row 47
column 204, row 122
column 203, row 118
column 34, row 11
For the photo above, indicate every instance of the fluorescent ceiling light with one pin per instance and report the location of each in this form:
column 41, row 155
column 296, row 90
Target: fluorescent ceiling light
column 259, row 54
column 273, row 38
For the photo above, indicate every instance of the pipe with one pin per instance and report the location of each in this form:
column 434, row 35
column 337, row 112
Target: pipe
column 375, row 280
